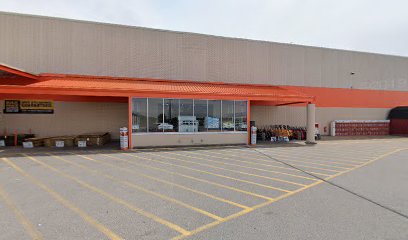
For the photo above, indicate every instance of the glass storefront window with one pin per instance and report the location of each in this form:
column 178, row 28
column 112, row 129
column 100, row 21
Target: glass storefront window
column 171, row 114
column 187, row 121
column 228, row 116
column 241, row 116
column 139, row 115
column 155, row 110
column 200, row 112
column 188, row 115
column 213, row 120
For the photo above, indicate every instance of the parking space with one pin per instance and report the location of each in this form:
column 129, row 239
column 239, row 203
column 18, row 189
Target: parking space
column 168, row 193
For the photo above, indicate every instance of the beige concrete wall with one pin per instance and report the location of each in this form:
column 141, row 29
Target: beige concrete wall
column 69, row 118
column 296, row 116
column 143, row 140
column 41, row 44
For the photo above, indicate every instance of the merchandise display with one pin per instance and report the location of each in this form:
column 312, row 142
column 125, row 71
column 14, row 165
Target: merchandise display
column 94, row 139
column 281, row 133
column 68, row 141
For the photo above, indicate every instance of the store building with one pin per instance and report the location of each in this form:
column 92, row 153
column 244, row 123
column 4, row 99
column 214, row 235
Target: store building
column 175, row 88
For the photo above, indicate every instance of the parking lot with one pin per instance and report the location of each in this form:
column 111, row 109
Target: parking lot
column 174, row 193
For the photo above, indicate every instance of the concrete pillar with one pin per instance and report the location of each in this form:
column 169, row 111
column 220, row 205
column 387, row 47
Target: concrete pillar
column 311, row 121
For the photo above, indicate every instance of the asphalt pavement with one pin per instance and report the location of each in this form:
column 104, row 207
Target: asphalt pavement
column 338, row 189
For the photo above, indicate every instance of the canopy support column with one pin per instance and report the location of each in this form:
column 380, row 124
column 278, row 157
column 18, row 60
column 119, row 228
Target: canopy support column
column 249, row 121
column 311, row 121
column 130, row 124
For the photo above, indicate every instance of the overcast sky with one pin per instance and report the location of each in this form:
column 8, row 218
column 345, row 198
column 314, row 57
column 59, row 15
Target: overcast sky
column 365, row 25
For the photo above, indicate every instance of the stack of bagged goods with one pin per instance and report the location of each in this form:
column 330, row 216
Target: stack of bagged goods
column 93, row 139
column 35, row 142
column 30, row 141
column 360, row 127
column 62, row 141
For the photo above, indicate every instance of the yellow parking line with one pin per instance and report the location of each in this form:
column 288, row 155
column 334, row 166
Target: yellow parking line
column 239, row 214
column 322, row 157
column 336, row 152
column 323, row 169
column 113, row 198
column 263, row 160
column 234, row 171
column 365, row 164
column 273, row 166
column 213, row 224
column 28, row 226
column 318, row 157
column 66, row 203
column 313, row 163
column 321, row 161
column 301, row 152
column 163, row 181
column 316, row 173
column 194, row 178
column 132, row 185
column 231, row 164
column 245, row 173
column 306, row 166
column 210, row 173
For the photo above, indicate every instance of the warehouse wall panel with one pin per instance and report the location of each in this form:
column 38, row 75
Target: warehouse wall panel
column 69, row 118
column 180, row 139
column 43, row 44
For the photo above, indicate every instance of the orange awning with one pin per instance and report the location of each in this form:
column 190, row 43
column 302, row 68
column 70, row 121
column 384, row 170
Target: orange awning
column 80, row 85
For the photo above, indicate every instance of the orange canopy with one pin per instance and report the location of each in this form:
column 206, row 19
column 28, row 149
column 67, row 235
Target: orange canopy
column 14, row 81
